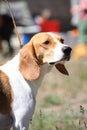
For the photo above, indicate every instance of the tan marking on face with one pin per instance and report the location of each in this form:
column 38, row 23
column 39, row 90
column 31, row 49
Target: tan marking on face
column 56, row 37
column 6, row 95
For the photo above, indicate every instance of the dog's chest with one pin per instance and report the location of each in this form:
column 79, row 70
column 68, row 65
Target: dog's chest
column 22, row 92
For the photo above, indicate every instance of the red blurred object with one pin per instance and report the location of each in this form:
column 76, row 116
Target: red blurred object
column 50, row 26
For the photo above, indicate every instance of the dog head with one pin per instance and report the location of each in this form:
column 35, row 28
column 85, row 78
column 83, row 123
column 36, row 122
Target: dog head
column 43, row 48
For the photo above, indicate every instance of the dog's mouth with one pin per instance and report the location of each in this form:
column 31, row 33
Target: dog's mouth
column 52, row 63
column 65, row 58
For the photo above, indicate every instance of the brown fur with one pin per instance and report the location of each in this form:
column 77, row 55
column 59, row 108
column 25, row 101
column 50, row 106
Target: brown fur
column 62, row 69
column 28, row 65
column 6, row 94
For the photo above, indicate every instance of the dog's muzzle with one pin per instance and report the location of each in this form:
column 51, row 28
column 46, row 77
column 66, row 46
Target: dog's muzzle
column 66, row 55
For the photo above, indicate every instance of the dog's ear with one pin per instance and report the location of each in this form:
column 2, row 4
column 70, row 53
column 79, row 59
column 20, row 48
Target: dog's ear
column 62, row 69
column 28, row 65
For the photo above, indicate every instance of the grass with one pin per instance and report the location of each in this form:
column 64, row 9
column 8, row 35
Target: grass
column 68, row 120
column 53, row 100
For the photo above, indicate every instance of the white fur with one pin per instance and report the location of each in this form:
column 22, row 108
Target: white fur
column 24, row 94
column 58, row 53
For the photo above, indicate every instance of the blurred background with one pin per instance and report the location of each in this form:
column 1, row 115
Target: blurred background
column 36, row 16
column 61, row 100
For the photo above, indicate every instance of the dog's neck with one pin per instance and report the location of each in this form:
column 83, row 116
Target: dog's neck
column 36, row 83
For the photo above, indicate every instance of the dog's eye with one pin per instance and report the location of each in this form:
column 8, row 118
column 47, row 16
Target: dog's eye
column 47, row 42
column 62, row 41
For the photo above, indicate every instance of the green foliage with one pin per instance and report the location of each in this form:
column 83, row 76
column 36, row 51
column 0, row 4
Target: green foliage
column 53, row 99
column 68, row 120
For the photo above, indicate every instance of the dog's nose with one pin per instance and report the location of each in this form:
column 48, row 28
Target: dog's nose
column 67, row 50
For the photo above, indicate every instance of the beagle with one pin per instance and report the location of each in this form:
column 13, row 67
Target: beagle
column 21, row 77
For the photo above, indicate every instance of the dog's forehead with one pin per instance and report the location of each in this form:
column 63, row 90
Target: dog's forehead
column 41, row 36
column 54, row 36
column 47, row 36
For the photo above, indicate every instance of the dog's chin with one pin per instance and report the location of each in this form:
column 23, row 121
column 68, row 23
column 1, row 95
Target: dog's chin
column 66, row 58
column 62, row 60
